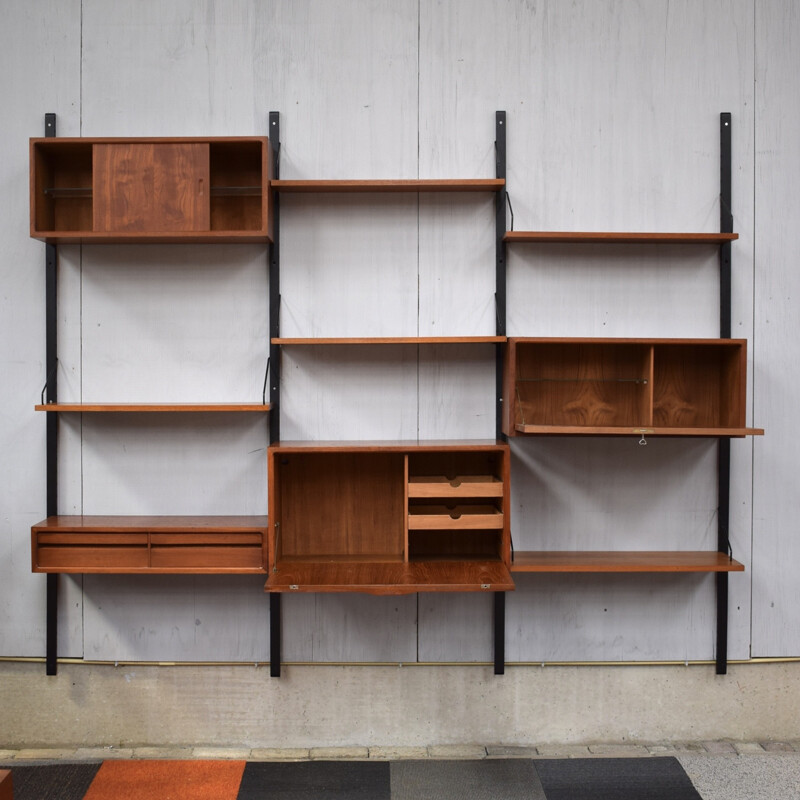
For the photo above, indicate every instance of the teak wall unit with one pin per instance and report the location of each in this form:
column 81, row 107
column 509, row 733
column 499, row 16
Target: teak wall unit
column 136, row 191
column 374, row 517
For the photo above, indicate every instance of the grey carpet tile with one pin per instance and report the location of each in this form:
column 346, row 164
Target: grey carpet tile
column 615, row 779
column 513, row 779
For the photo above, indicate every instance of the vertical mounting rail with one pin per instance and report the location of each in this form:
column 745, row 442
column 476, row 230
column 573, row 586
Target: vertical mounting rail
column 724, row 451
column 500, row 322
column 275, row 366
column 51, row 370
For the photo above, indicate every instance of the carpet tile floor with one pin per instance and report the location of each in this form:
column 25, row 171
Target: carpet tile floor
column 660, row 778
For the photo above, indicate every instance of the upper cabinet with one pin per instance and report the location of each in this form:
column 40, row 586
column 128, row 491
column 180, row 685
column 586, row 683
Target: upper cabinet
column 151, row 190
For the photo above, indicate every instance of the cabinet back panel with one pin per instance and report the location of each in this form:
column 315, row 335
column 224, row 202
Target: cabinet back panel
column 341, row 504
column 465, row 545
column 699, row 386
column 582, row 384
column 151, row 187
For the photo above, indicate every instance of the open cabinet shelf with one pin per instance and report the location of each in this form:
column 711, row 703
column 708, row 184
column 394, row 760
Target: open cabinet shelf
column 633, row 387
column 382, row 186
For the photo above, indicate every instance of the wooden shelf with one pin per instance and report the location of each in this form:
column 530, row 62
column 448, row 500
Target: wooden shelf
column 391, row 340
column 466, row 517
column 166, row 190
column 613, row 237
column 150, row 544
column 147, row 408
column 587, row 430
column 613, row 561
column 391, row 578
column 461, row 486
column 380, row 186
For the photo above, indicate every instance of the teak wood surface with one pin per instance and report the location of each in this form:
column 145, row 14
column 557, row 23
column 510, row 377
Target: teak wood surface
column 139, row 408
column 138, row 544
column 391, row 578
column 391, row 340
column 409, row 185
column 618, row 387
column 616, row 237
column 621, row 561
column 140, row 190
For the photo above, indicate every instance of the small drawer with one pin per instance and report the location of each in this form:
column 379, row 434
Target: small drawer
column 207, row 551
column 460, row 486
column 463, row 517
column 90, row 552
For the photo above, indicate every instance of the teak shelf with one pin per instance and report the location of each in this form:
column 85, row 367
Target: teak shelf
column 118, row 190
column 616, row 237
column 627, row 561
column 152, row 408
column 389, row 340
column 385, row 186
column 132, row 545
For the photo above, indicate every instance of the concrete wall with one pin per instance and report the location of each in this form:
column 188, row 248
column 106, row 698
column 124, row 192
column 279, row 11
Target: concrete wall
column 613, row 111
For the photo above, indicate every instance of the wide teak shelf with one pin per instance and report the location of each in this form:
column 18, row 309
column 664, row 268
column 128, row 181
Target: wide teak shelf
column 379, row 186
column 616, row 237
column 115, row 190
column 624, row 561
column 147, row 408
column 150, row 544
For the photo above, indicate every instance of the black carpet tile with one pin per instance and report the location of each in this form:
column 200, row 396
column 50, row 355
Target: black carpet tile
column 661, row 778
column 52, row 781
column 315, row 780
column 512, row 779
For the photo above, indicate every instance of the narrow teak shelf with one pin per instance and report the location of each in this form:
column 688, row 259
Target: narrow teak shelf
column 390, row 340
column 628, row 561
column 147, row 408
column 616, row 237
column 409, row 185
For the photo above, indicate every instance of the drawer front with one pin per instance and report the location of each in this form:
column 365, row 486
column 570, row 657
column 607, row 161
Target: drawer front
column 461, row 486
column 467, row 517
column 90, row 552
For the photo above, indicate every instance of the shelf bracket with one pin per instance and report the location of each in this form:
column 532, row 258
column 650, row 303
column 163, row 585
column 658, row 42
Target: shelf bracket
column 724, row 445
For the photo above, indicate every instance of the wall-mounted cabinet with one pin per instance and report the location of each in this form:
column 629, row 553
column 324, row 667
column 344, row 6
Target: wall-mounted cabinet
column 389, row 518
column 150, row 190
column 657, row 387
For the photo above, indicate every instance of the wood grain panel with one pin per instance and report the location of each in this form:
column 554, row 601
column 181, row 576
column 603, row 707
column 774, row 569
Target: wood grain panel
column 341, row 504
column 151, row 187
column 628, row 561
